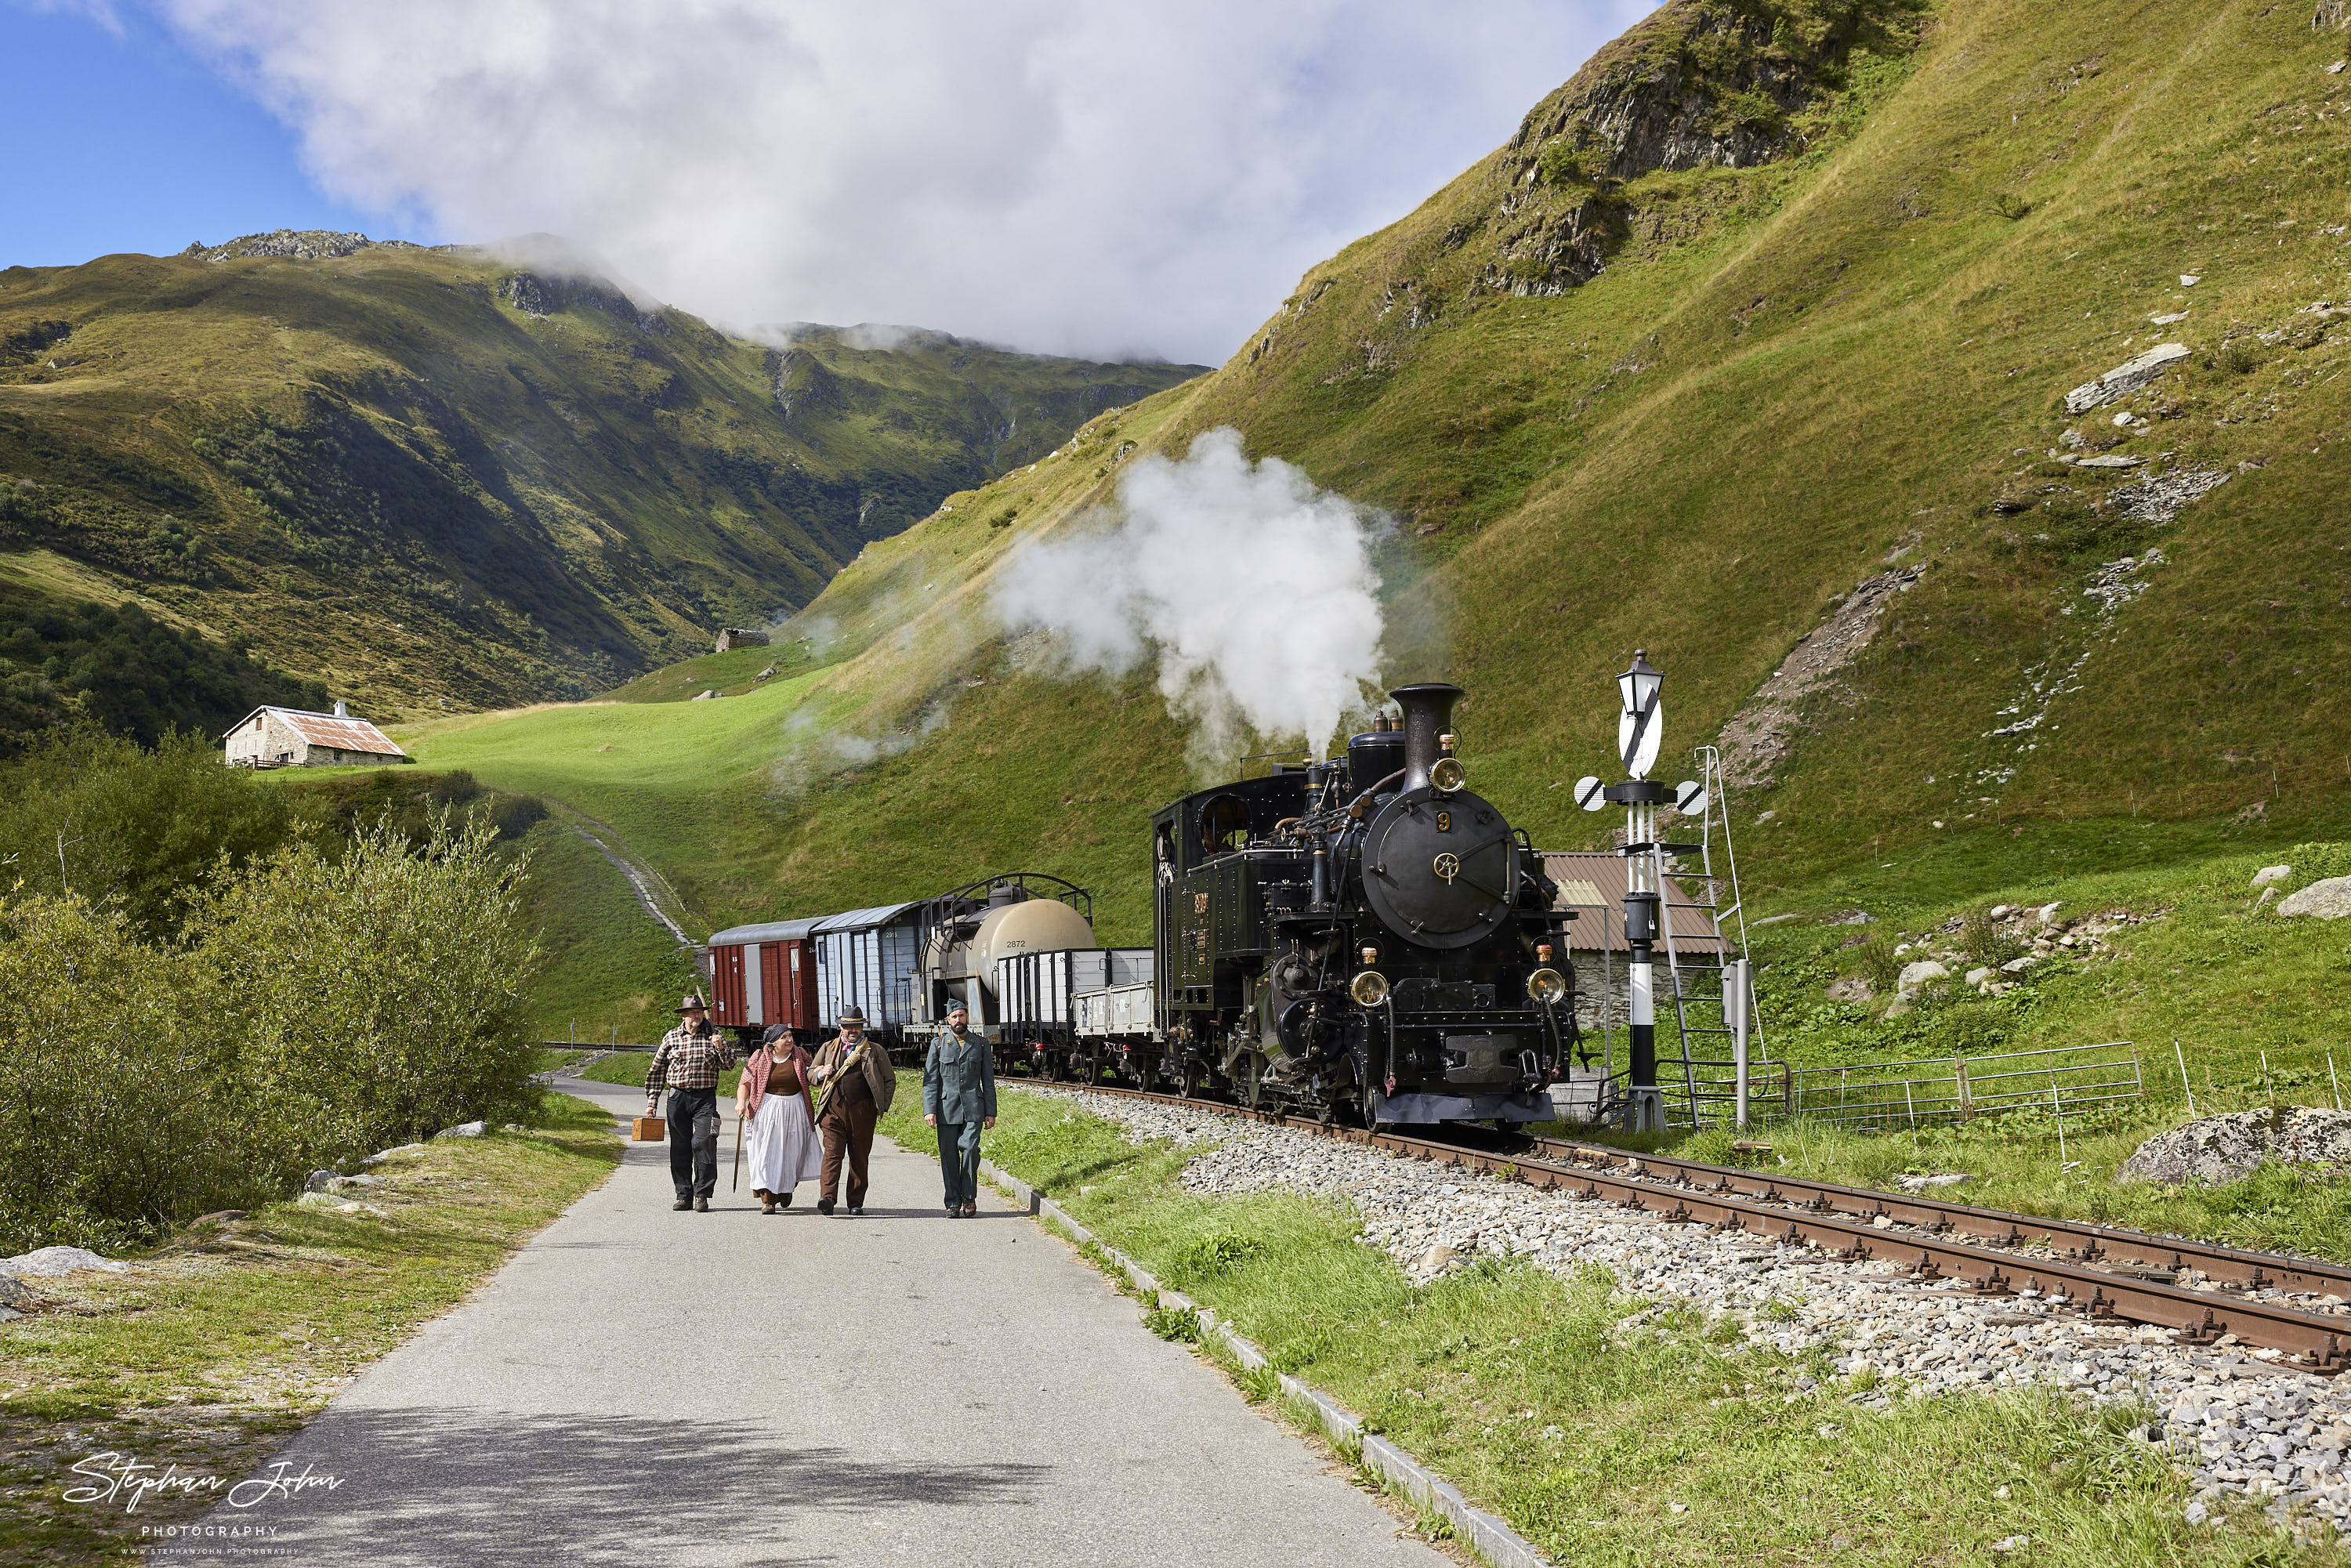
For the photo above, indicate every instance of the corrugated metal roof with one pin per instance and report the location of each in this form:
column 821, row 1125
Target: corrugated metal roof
column 1594, row 882
column 326, row 729
column 796, row 930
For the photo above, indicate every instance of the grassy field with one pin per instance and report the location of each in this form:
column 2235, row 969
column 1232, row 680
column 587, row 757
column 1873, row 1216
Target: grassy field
column 226, row 1338
column 1602, row 1441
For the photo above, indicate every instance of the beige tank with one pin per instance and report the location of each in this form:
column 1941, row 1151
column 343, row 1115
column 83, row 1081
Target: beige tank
column 1032, row 926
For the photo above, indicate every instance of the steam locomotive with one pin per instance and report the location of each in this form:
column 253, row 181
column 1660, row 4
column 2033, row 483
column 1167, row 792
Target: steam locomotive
column 1363, row 938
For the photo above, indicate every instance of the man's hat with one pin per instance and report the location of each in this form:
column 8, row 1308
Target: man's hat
column 957, row 1008
column 852, row 1013
column 693, row 1003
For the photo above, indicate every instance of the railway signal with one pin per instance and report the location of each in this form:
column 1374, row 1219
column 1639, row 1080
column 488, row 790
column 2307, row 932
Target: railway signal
column 1638, row 730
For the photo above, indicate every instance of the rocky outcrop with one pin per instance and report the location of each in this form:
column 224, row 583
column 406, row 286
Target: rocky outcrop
column 297, row 245
column 1696, row 84
column 1760, row 734
column 2232, row 1147
column 543, row 294
column 2124, row 378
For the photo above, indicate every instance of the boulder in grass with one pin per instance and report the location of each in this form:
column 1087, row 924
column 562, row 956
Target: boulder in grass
column 463, row 1130
column 2328, row 900
column 44, row 1261
column 2220, row 1149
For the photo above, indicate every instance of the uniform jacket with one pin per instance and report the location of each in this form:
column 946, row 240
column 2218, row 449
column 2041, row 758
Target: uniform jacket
column 880, row 1076
column 959, row 1078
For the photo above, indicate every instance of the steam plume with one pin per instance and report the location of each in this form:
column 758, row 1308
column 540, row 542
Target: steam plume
column 1253, row 588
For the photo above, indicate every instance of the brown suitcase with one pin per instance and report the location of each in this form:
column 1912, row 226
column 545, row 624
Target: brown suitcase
column 647, row 1130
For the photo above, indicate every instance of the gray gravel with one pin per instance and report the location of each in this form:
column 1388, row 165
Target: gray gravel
column 2231, row 1420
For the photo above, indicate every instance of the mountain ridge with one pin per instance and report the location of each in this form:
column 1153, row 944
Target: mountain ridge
column 438, row 476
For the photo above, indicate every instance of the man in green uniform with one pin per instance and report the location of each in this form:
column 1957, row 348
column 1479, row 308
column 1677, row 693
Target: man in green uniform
column 958, row 1100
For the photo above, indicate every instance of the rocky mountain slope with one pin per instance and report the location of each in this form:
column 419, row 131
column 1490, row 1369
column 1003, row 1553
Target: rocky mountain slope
column 436, row 478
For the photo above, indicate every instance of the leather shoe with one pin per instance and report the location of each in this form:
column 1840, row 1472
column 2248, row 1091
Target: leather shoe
column 971, row 1211
column 858, row 1208
column 768, row 1205
column 682, row 1203
column 783, row 1200
column 702, row 1205
column 824, row 1206
column 955, row 1211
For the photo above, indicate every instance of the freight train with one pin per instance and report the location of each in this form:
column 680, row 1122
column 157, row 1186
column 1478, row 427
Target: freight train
column 1363, row 939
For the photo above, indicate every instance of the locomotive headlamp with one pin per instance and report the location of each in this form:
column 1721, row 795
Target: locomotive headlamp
column 1447, row 774
column 1370, row 989
column 1546, row 986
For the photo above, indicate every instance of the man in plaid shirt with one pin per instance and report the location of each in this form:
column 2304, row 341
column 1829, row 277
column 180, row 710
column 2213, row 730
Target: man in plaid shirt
column 689, row 1061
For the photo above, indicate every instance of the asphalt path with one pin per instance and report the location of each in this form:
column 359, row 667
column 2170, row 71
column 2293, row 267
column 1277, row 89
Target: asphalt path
column 644, row 1386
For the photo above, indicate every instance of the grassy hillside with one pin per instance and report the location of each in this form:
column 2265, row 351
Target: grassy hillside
column 432, row 479
column 1619, row 392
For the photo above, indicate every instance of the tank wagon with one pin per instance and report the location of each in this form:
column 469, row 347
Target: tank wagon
column 1363, row 938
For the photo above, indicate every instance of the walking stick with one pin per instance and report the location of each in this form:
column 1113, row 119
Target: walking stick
column 737, row 1185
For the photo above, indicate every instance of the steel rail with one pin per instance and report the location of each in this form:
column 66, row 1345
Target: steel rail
column 2317, row 1342
column 2072, row 1240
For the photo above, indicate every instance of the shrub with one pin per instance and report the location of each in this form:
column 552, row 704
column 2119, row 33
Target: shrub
column 113, row 1111
column 92, row 814
column 2012, row 206
column 376, row 998
column 317, row 1009
column 1876, row 962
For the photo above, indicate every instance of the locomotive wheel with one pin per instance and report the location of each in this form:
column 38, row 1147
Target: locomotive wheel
column 1054, row 1070
column 1187, row 1078
column 1094, row 1067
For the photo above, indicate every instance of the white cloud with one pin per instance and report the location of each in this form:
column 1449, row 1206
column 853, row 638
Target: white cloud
column 1251, row 591
column 1065, row 176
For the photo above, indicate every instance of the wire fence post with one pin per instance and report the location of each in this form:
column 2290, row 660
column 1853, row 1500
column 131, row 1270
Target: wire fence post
column 1959, row 1077
column 2180, row 1057
column 2332, row 1081
column 2059, row 1112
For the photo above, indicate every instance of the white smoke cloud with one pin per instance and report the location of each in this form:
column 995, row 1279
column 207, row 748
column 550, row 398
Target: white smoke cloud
column 1068, row 177
column 1252, row 589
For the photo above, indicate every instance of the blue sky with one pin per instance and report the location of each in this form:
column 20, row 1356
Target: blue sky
column 129, row 143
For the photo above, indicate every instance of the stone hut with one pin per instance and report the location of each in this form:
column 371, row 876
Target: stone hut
column 732, row 637
column 295, row 737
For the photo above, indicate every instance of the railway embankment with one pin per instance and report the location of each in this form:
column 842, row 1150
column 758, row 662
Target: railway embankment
column 1609, row 1382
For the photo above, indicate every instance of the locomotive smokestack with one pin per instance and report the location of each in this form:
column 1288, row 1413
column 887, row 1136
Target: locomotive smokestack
column 1428, row 714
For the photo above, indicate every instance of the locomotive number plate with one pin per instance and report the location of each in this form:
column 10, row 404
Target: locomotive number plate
column 1444, row 821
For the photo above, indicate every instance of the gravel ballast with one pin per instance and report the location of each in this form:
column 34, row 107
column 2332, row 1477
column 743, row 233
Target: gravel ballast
column 2228, row 1416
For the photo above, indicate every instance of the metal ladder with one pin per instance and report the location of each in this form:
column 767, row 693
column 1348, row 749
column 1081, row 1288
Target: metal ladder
column 1697, row 980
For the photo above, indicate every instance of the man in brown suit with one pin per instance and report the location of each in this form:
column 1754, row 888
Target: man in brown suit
column 853, row 1073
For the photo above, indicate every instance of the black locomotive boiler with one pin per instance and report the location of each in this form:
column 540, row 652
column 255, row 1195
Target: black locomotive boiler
column 1365, row 938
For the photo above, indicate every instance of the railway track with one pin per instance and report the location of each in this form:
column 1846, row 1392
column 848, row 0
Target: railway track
column 2204, row 1290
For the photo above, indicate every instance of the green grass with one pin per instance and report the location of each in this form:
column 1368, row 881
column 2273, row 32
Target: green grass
column 223, row 1340
column 1535, row 1396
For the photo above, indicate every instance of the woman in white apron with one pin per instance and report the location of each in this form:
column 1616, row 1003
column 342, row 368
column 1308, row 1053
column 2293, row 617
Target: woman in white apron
column 779, row 1126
